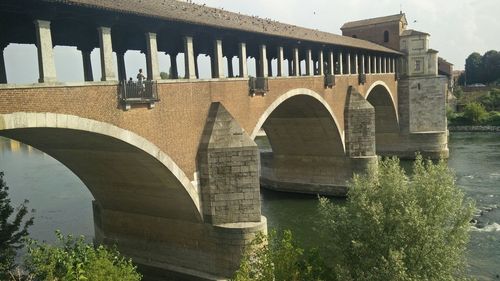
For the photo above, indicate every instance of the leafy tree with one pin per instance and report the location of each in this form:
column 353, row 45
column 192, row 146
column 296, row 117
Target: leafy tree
column 473, row 68
column 164, row 75
column 490, row 64
column 271, row 258
column 396, row 227
column 13, row 227
column 475, row 112
column 76, row 260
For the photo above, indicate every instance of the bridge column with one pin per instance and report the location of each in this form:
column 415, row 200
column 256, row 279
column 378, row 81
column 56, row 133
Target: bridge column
column 385, row 65
column 242, row 47
column 309, row 63
column 341, row 64
column 87, row 63
column 331, row 63
column 46, row 64
column 189, row 62
column 152, row 57
column 379, row 64
column 3, row 72
column 356, row 64
column 348, row 59
column 120, row 61
column 218, row 60
column 369, row 68
column 270, row 67
column 296, row 62
column 174, row 72
column 393, row 65
column 321, row 65
column 230, row 71
column 263, row 64
column 362, row 71
column 281, row 62
column 106, row 48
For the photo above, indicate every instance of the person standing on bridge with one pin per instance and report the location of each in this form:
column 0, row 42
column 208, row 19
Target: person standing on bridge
column 140, row 83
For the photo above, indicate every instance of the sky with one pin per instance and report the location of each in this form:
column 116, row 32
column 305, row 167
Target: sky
column 457, row 28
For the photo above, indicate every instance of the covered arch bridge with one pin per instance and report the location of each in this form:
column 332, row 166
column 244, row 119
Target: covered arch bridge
column 176, row 173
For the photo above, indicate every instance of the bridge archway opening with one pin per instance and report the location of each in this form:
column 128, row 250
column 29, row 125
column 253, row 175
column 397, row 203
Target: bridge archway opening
column 204, row 66
column 386, row 118
column 129, row 176
column 306, row 152
column 21, row 63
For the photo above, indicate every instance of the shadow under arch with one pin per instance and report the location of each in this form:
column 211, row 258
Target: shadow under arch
column 308, row 150
column 386, row 117
column 123, row 171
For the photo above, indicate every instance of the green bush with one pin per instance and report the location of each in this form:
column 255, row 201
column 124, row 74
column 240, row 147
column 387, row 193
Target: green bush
column 76, row 260
column 391, row 228
column 475, row 113
column 493, row 119
column 13, row 228
column 395, row 227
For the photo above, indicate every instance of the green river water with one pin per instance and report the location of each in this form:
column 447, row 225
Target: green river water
column 62, row 201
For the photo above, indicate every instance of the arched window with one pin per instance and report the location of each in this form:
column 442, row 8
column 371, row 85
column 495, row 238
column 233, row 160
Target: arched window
column 386, row 36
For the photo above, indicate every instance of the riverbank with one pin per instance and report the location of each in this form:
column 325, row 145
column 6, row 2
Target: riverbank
column 474, row 128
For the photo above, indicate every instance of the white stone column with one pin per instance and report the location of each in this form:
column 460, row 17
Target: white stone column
column 349, row 69
column 393, row 65
column 243, row 60
column 189, row 63
column 230, row 72
column 356, row 64
column 263, row 60
column 3, row 72
column 369, row 70
column 218, row 60
column 296, row 62
column 46, row 64
column 331, row 63
column 106, row 48
column 341, row 64
column 384, row 65
column 321, row 63
column 281, row 61
column 379, row 64
column 309, row 63
column 152, row 63
column 362, row 71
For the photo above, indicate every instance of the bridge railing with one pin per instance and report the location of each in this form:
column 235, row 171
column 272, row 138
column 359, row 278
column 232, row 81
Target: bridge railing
column 144, row 92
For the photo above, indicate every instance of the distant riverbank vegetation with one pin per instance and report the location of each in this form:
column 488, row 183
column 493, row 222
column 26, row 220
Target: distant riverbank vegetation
column 391, row 227
column 71, row 260
column 481, row 107
column 483, row 69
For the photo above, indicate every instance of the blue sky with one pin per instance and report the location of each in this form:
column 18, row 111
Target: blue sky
column 457, row 28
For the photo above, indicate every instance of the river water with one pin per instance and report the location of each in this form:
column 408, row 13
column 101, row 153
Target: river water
column 62, row 202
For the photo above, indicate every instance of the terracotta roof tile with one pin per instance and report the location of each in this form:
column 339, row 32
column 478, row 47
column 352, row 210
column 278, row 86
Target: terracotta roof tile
column 201, row 15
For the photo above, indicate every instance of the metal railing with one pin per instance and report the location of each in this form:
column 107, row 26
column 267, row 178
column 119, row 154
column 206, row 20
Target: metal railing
column 258, row 85
column 132, row 92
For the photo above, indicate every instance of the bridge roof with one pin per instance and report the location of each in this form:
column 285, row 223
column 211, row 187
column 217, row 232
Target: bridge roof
column 202, row 15
column 372, row 21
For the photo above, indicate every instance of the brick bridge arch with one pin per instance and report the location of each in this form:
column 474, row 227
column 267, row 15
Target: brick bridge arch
column 384, row 102
column 122, row 170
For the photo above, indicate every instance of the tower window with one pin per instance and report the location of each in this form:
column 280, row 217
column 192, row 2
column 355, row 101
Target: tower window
column 386, row 36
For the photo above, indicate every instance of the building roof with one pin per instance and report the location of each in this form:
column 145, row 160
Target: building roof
column 411, row 32
column 443, row 61
column 372, row 21
column 180, row 11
